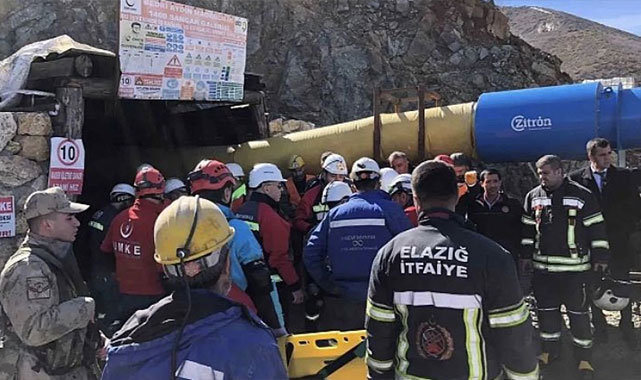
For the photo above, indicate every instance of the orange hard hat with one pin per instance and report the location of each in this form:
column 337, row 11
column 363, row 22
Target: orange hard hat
column 210, row 175
column 149, row 181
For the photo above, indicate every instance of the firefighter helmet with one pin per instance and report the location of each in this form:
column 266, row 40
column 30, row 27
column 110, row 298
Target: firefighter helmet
column 210, row 175
column 149, row 181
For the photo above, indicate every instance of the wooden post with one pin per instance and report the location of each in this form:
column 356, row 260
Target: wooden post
column 376, row 149
column 73, row 112
column 421, row 123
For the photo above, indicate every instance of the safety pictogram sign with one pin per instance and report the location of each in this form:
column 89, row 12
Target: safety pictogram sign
column 67, row 164
column 174, row 61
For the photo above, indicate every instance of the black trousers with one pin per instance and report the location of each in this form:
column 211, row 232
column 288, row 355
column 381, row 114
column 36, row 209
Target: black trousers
column 342, row 314
column 552, row 290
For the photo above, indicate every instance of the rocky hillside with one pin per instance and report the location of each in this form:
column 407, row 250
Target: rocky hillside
column 323, row 58
column 588, row 49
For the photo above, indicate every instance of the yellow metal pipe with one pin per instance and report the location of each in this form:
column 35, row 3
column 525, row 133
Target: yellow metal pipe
column 448, row 129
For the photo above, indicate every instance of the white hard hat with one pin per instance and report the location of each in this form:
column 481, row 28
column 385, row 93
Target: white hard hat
column 365, row 165
column 235, row 169
column 335, row 191
column 143, row 165
column 611, row 295
column 264, row 173
column 174, row 184
column 335, row 164
column 387, row 176
column 122, row 188
column 402, row 182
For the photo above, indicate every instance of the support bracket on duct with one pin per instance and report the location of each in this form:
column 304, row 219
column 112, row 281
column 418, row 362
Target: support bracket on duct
column 399, row 97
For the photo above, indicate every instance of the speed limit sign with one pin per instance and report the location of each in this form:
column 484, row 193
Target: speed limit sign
column 68, row 152
column 67, row 165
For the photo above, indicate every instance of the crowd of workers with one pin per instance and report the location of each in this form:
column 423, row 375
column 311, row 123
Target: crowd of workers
column 443, row 300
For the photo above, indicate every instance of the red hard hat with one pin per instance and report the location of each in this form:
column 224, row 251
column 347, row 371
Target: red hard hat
column 149, row 181
column 445, row 159
column 210, row 175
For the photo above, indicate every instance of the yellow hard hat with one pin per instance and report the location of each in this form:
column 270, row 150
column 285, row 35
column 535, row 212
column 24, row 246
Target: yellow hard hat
column 296, row 162
column 191, row 224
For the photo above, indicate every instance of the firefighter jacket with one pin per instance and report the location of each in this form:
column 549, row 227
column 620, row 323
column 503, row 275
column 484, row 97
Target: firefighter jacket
column 310, row 210
column 500, row 221
column 348, row 238
column 221, row 340
column 444, row 303
column 563, row 230
column 272, row 232
column 131, row 239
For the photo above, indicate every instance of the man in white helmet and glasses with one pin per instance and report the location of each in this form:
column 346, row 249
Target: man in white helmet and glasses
column 260, row 212
column 348, row 239
column 196, row 332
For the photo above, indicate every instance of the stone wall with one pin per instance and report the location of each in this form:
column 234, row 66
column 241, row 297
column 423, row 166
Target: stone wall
column 24, row 164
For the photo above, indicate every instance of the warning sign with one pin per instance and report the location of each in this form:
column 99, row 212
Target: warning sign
column 67, row 166
column 174, row 61
column 7, row 217
column 174, row 68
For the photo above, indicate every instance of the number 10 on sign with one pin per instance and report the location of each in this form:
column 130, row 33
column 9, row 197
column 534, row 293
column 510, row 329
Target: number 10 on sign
column 67, row 165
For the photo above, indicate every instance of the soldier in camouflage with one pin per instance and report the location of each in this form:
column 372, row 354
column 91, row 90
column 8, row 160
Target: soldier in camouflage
column 47, row 324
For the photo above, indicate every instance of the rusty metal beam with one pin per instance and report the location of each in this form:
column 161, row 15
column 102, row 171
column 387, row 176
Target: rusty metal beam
column 421, row 122
column 376, row 148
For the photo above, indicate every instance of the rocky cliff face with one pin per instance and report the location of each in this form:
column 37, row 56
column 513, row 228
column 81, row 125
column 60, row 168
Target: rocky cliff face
column 322, row 59
column 589, row 50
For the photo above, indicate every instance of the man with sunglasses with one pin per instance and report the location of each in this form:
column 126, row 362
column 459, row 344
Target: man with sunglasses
column 131, row 239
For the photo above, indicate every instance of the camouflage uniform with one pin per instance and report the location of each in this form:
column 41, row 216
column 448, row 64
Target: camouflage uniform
column 45, row 321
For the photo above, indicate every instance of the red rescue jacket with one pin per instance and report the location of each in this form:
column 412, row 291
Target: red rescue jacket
column 131, row 239
column 272, row 232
